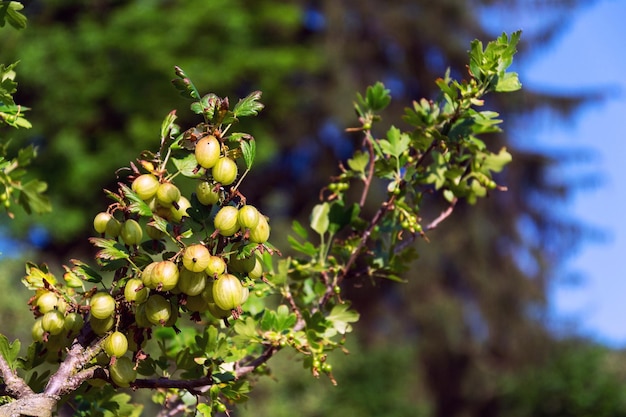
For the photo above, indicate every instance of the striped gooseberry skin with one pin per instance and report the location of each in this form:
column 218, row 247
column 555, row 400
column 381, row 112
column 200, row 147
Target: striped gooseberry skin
column 191, row 283
column 135, row 291
column 131, row 232
column 116, row 344
column 248, row 217
column 261, row 233
column 52, row 322
column 196, row 257
column 162, row 275
column 225, row 171
column 102, row 305
column 158, row 309
column 226, row 221
column 227, row 292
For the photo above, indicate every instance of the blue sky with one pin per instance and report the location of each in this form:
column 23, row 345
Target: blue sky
column 591, row 54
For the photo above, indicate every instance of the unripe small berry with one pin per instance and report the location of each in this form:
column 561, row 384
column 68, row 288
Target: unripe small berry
column 191, row 283
column 206, row 194
column 167, row 194
column 216, row 266
column 131, row 232
column 261, row 233
column 102, row 305
column 207, row 151
column 158, row 309
column 122, row 371
column 135, row 291
column 52, row 322
column 116, row 344
column 47, row 301
column 145, row 186
column 248, row 217
column 100, row 222
column 226, row 221
column 196, row 257
column 225, row 171
column 101, row 326
column 177, row 214
column 227, row 292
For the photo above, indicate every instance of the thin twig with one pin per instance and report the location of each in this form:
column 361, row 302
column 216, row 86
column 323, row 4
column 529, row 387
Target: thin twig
column 370, row 173
column 241, row 370
column 365, row 237
column 430, row 226
column 442, row 216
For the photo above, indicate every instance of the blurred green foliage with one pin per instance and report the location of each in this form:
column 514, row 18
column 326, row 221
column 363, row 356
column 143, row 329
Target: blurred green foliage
column 576, row 380
column 371, row 382
column 99, row 76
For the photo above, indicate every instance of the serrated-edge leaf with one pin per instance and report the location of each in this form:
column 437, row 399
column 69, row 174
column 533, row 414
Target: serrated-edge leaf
column 307, row 247
column 187, row 166
column 9, row 351
column 300, row 230
column 85, row 272
column 166, row 125
column 248, row 149
column 340, row 316
column 111, row 249
column 248, row 106
column 137, row 205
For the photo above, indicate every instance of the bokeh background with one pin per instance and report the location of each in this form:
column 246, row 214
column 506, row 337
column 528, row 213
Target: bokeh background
column 491, row 321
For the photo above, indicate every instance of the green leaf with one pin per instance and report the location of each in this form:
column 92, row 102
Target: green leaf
column 184, row 85
column 168, row 124
column 37, row 277
column 339, row 216
column 205, row 410
column 437, row 171
column 84, row 271
column 188, row 166
column 307, row 247
column 359, row 161
column 32, row 197
column 297, row 227
column 319, row 218
column 248, row 149
column 508, row 82
column 246, row 328
column 137, row 205
column 285, row 319
column 9, row 351
column 111, row 249
column 248, row 106
column 496, row 162
column 8, row 86
column 9, row 11
column 160, row 223
column 341, row 316
column 377, row 98
column 26, row 155
column 396, row 143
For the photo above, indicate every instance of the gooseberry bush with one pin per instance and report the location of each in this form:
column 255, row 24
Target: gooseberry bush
column 187, row 297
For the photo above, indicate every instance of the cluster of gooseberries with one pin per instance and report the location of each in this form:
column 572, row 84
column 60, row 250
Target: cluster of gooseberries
column 176, row 264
